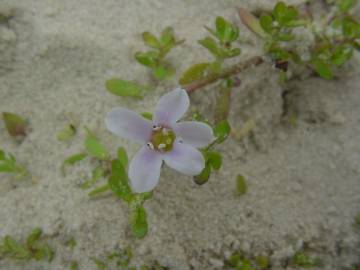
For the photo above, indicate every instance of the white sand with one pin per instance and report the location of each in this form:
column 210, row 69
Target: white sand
column 303, row 181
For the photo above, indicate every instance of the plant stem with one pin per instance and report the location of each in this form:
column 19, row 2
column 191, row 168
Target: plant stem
column 235, row 69
column 99, row 190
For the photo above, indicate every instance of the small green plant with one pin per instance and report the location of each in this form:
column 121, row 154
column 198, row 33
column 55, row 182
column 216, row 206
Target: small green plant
column 335, row 39
column 121, row 259
column 241, row 186
column 67, row 133
column 155, row 57
column 34, row 248
column 15, row 124
column 302, row 259
column 74, row 265
column 115, row 170
column 238, row 261
column 220, row 45
column 8, row 164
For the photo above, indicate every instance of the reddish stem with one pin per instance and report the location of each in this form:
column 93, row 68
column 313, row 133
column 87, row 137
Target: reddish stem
column 255, row 61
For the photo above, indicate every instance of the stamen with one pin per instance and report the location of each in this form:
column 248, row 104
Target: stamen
column 150, row 145
column 162, row 138
column 162, row 146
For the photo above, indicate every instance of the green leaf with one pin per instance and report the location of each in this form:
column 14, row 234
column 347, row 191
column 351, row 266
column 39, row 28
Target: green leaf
column 222, row 130
column 232, row 52
column 241, row 186
column 323, row 69
column 214, row 159
column 357, row 219
column 2, row 155
column 95, row 148
column 44, row 252
column 235, row 259
column 262, row 261
column 139, row 225
column 162, row 72
column 151, row 40
column 33, row 237
column 125, row 88
column 100, row 265
column 285, row 37
column 148, row 59
column 167, row 37
column 252, row 22
column 346, row 5
column 74, row 265
column 14, row 124
column 8, row 164
column 266, row 23
column 204, row 176
column 72, row 160
column 6, row 167
column 279, row 53
column 303, row 260
column 118, row 181
column 147, row 115
column 210, row 44
column 122, row 156
column 341, row 55
column 226, row 32
column 67, row 133
column 15, row 250
column 350, row 27
column 284, row 14
column 194, row 73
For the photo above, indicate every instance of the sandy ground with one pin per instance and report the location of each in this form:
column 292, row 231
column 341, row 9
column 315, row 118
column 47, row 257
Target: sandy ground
column 303, row 180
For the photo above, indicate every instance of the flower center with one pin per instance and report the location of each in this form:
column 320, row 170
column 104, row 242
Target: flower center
column 162, row 139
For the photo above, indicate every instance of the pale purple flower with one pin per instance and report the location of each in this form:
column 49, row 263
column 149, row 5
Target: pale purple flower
column 163, row 139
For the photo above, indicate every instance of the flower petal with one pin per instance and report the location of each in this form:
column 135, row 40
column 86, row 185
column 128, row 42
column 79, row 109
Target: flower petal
column 171, row 107
column 144, row 170
column 129, row 125
column 185, row 159
column 196, row 134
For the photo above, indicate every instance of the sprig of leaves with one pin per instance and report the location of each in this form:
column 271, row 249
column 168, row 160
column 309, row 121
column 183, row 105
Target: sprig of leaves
column 34, row 248
column 213, row 158
column 304, row 260
column 8, row 164
column 338, row 40
column 334, row 44
column 154, row 59
column 220, row 44
column 279, row 26
column 114, row 169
